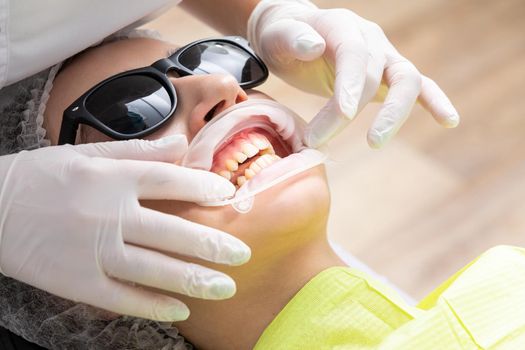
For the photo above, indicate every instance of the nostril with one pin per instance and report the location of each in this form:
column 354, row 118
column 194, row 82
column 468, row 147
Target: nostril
column 213, row 111
column 241, row 97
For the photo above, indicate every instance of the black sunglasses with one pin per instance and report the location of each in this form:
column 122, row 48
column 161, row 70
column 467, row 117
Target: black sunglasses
column 135, row 103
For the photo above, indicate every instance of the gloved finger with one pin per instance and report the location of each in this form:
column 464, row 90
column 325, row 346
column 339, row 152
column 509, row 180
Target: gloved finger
column 374, row 76
column 404, row 83
column 129, row 300
column 350, row 55
column 376, row 63
column 328, row 122
column 168, row 149
column 157, row 180
column 293, row 40
column 150, row 268
column 160, row 231
column 349, row 52
column 434, row 100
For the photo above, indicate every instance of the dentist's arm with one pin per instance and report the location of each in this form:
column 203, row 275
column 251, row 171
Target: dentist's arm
column 334, row 53
column 227, row 16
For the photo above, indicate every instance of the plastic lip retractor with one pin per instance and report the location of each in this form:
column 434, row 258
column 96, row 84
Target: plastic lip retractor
column 257, row 113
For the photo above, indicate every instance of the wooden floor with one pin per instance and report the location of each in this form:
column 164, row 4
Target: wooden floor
column 434, row 198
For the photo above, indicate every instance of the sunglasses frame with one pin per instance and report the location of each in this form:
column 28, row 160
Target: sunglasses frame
column 77, row 113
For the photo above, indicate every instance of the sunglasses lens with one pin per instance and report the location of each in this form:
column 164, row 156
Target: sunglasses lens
column 221, row 57
column 130, row 104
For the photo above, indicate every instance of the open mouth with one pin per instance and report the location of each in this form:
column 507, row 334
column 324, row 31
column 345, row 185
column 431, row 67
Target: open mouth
column 243, row 155
column 255, row 144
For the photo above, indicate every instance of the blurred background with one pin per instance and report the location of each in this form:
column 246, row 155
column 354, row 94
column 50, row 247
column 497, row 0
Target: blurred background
column 433, row 199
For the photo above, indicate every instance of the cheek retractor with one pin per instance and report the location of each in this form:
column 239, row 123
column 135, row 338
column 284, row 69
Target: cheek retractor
column 246, row 127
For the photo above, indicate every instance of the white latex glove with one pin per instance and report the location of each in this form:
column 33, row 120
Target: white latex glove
column 71, row 224
column 336, row 53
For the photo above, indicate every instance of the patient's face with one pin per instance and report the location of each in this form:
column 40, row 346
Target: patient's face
column 280, row 215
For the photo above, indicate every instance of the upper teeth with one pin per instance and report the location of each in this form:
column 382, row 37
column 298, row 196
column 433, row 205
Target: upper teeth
column 259, row 142
column 232, row 165
column 240, row 157
column 247, row 147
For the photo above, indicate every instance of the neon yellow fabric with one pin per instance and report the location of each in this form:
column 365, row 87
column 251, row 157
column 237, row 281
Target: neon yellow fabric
column 480, row 307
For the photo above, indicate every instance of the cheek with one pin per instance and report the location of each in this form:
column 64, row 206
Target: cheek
column 195, row 121
column 90, row 135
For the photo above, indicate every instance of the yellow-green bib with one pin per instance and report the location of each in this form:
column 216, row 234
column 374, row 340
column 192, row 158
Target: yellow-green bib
column 480, row 307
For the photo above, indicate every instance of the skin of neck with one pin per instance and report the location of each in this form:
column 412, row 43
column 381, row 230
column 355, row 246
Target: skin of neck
column 275, row 273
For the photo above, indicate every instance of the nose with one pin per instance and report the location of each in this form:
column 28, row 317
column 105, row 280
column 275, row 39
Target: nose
column 201, row 97
column 223, row 92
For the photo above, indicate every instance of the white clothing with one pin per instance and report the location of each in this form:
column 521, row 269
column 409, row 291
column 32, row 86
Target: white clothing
column 36, row 34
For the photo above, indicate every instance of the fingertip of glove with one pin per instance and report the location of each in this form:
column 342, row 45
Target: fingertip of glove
column 222, row 287
column 324, row 127
column 348, row 104
column 225, row 189
column 309, row 47
column 375, row 145
column 241, row 255
column 217, row 187
column 226, row 249
column 451, row 121
column 311, row 140
column 376, row 140
column 176, row 312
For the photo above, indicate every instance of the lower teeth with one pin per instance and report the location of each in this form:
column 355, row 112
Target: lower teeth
column 249, row 172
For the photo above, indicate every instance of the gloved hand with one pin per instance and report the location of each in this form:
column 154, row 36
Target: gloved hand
column 71, row 224
column 336, row 53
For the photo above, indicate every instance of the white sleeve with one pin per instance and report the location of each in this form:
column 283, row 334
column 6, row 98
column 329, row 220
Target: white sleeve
column 36, row 34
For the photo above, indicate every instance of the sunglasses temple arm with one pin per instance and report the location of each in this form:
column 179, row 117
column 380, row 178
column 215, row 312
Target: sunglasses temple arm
column 68, row 130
